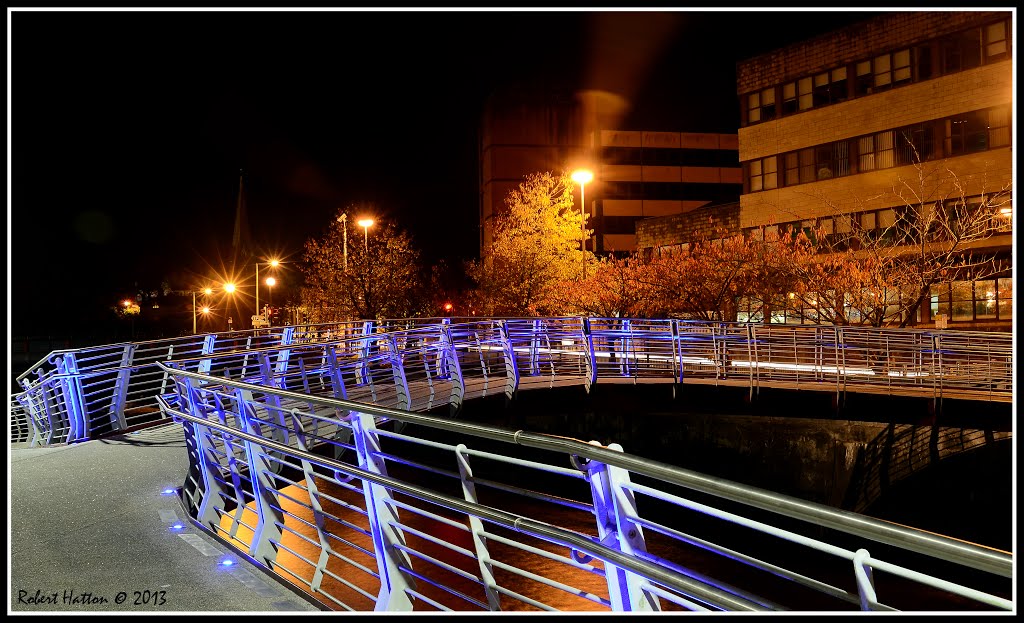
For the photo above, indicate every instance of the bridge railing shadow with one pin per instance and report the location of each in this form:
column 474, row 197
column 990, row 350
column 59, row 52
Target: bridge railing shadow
column 903, row 450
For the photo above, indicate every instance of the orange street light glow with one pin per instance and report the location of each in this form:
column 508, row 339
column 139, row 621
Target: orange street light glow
column 229, row 287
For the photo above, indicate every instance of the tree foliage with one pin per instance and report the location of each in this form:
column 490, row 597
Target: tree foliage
column 383, row 279
column 535, row 249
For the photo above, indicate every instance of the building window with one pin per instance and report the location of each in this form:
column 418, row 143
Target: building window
column 915, row 144
column 977, row 131
column 829, row 87
column 864, row 79
column 961, row 51
column 923, row 60
column 998, row 126
column 799, row 167
column 883, row 72
column 1004, row 298
column 763, row 174
column 832, row 160
column 876, row 151
column 996, row 41
column 761, row 106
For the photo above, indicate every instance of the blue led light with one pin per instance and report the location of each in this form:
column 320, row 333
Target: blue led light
column 177, row 526
column 167, row 492
column 227, row 562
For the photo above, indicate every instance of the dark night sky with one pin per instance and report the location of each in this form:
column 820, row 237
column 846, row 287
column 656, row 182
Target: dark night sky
column 128, row 129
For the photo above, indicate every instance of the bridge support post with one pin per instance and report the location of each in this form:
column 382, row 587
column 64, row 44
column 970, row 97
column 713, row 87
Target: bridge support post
column 77, row 422
column 120, row 393
column 267, row 530
column 453, row 369
column 590, row 362
column 383, row 517
column 362, row 368
column 615, row 508
column 404, row 400
column 201, row 495
column 509, row 353
column 476, row 526
column 204, row 364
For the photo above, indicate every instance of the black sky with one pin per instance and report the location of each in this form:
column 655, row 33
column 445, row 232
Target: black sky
column 128, row 129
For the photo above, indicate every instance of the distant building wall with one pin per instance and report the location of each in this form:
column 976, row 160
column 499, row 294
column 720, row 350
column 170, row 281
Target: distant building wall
column 670, row 231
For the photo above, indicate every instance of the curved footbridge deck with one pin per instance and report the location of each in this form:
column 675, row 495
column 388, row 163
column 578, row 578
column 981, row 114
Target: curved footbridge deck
column 89, row 522
column 303, row 455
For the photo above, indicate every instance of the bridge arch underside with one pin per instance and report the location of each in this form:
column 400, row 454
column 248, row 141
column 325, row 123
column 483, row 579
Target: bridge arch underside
column 311, row 462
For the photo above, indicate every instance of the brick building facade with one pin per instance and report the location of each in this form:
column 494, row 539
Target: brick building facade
column 830, row 126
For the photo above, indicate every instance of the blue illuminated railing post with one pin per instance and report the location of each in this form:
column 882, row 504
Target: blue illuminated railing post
column 614, row 507
column 383, row 517
column 476, row 527
column 452, row 368
column 362, row 369
column 590, row 362
column 71, row 387
column 269, row 518
column 509, row 353
column 120, row 392
column 208, row 343
column 403, row 398
column 209, row 489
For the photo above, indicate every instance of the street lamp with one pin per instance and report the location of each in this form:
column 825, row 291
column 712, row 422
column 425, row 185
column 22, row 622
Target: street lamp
column 271, row 282
column 581, row 177
column 272, row 264
column 365, row 223
column 344, row 240
column 230, row 289
column 206, row 310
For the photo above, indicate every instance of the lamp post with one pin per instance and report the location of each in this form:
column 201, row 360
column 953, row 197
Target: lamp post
column 271, row 282
column 365, row 223
column 344, row 241
column 206, row 310
column 230, row 289
column 582, row 176
column 272, row 264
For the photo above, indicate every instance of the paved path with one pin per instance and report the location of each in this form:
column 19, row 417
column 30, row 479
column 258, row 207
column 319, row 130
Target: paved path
column 90, row 519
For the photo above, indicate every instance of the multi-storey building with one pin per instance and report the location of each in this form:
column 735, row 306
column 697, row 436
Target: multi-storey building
column 637, row 174
column 830, row 126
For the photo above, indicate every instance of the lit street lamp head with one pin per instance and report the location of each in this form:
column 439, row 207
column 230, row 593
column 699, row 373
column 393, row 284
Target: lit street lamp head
column 365, row 222
column 229, row 287
column 582, row 176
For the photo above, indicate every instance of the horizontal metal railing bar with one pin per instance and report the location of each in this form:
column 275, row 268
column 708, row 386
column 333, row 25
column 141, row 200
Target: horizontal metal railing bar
column 515, row 522
column 971, row 555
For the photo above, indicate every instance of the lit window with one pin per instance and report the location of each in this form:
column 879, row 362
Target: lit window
column 995, row 40
column 763, row 174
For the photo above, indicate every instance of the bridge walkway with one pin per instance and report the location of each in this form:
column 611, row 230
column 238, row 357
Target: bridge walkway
column 92, row 519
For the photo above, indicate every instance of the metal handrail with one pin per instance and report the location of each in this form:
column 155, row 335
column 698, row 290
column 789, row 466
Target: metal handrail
column 221, row 415
column 104, row 383
column 975, row 556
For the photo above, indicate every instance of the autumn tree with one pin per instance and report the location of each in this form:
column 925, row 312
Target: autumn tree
column 614, row 287
column 535, row 248
column 938, row 231
column 702, row 280
column 382, row 279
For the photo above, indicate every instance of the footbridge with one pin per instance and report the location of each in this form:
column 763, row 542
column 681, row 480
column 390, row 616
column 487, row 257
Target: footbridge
column 331, row 459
